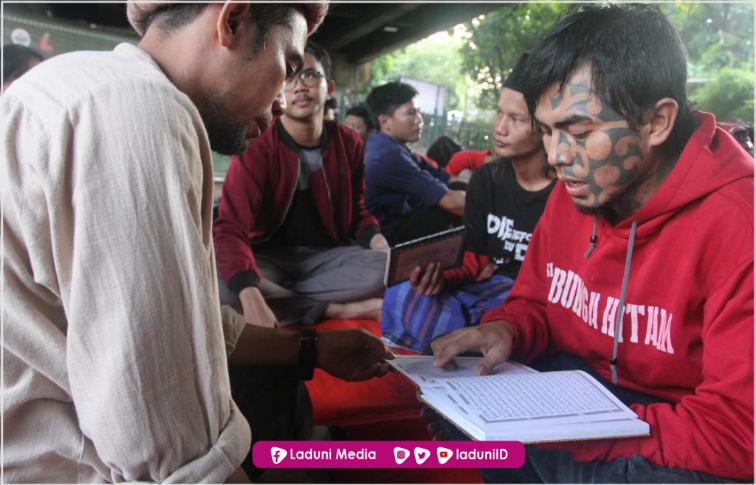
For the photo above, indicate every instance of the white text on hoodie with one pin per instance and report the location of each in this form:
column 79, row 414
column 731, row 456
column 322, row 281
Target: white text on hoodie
column 568, row 290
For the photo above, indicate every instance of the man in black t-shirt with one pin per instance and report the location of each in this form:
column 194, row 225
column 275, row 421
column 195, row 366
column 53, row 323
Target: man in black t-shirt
column 505, row 199
column 502, row 215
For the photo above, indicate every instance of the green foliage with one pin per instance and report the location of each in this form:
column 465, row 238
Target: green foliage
column 475, row 61
column 716, row 35
column 435, row 60
column 719, row 41
column 729, row 95
column 498, row 40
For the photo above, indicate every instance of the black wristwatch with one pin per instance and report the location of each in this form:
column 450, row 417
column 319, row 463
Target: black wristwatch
column 308, row 354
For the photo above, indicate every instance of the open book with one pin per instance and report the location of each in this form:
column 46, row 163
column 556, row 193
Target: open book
column 446, row 247
column 517, row 403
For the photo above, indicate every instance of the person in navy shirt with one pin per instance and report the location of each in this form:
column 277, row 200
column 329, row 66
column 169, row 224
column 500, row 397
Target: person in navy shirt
column 409, row 194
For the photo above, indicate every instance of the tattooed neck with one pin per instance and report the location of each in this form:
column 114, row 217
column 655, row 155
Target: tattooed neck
column 638, row 193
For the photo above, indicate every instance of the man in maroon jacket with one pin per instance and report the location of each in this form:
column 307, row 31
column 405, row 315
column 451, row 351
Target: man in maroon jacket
column 291, row 207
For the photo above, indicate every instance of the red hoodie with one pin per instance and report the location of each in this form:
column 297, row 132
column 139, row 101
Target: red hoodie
column 258, row 191
column 687, row 330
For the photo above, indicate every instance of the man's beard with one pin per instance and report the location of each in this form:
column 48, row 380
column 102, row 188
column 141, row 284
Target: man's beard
column 624, row 202
column 225, row 137
column 587, row 210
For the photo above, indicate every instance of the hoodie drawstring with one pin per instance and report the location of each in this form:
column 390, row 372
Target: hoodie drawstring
column 594, row 238
column 621, row 308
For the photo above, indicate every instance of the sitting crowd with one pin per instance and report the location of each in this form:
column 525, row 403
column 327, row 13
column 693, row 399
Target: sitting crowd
column 609, row 229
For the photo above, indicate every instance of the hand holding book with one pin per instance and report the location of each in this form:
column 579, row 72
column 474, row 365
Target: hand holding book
column 433, row 424
column 445, row 249
column 428, row 280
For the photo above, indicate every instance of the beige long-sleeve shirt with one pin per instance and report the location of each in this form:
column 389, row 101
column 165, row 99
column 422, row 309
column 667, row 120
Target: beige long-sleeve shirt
column 114, row 347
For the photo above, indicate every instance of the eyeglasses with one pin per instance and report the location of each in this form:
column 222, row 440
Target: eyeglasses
column 309, row 77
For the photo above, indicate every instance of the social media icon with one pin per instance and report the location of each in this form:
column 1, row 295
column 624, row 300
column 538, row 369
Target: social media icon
column 444, row 454
column 277, row 454
column 400, row 455
column 421, row 454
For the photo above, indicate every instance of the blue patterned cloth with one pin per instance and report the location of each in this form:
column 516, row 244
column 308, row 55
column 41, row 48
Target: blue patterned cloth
column 412, row 320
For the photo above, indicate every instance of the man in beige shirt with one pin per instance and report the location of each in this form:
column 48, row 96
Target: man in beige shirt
column 115, row 349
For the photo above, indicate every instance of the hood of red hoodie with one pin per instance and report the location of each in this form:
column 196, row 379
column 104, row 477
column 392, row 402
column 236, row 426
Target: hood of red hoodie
column 711, row 160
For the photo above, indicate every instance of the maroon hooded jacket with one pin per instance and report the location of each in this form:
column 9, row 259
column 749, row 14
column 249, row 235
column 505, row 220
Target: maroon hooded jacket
column 259, row 188
column 686, row 333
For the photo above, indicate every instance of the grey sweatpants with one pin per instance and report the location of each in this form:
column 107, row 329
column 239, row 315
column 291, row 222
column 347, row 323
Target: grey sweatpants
column 299, row 282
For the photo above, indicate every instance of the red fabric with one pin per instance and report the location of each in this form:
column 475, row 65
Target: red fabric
column 466, row 159
column 380, row 409
column 472, row 266
column 355, row 403
column 259, row 186
column 687, row 333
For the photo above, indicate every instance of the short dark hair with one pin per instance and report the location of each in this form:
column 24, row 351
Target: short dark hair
column 635, row 55
column 321, row 55
column 361, row 111
column 173, row 16
column 16, row 60
column 384, row 100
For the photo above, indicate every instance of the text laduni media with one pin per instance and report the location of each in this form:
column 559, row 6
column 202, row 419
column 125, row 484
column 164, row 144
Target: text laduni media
column 341, row 454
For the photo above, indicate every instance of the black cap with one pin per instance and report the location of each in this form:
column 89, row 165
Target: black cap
column 516, row 80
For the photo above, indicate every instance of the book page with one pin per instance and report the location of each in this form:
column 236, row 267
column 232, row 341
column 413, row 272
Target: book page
column 518, row 398
column 419, row 368
column 531, row 431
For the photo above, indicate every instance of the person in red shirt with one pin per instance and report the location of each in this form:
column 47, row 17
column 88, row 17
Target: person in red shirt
column 641, row 268
column 442, row 149
column 465, row 162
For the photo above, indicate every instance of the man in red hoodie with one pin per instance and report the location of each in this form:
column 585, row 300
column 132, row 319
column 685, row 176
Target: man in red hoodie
column 641, row 268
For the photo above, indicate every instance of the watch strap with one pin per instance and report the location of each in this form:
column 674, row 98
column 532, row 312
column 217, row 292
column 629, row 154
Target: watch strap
column 307, row 357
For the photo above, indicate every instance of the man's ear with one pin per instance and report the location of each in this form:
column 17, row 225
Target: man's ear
column 330, row 86
column 383, row 122
column 232, row 20
column 662, row 121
